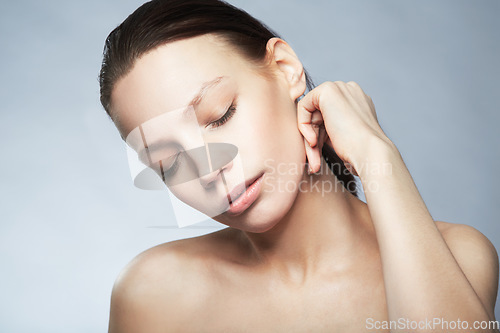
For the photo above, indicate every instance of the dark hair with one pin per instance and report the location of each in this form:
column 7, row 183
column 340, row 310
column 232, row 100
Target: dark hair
column 161, row 21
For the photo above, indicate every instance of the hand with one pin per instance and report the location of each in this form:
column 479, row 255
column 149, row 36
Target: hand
column 342, row 116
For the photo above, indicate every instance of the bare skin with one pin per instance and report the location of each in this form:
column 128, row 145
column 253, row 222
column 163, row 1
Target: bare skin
column 307, row 261
column 220, row 283
column 209, row 284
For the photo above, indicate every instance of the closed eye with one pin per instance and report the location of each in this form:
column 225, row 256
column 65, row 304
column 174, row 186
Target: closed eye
column 222, row 120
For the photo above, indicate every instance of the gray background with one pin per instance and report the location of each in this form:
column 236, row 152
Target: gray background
column 70, row 216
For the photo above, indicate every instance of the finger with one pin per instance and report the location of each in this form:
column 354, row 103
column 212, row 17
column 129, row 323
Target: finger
column 308, row 154
column 305, row 128
column 354, row 85
column 316, row 129
column 315, row 161
column 316, row 125
column 317, row 118
column 355, row 88
column 305, row 109
column 372, row 107
column 316, row 150
column 313, row 157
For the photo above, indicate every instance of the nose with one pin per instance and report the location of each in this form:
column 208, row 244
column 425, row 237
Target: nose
column 205, row 163
column 219, row 159
column 210, row 178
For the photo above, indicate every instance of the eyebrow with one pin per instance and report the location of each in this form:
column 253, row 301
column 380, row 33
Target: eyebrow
column 198, row 98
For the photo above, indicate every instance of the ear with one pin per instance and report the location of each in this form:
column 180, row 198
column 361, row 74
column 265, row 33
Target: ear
column 289, row 65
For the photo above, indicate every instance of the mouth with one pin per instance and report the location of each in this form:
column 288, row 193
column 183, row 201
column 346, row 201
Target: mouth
column 244, row 194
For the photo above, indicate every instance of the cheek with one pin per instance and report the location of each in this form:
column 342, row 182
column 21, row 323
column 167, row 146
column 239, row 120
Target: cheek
column 268, row 133
column 272, row 131
column 286, row 144
column 281, row 147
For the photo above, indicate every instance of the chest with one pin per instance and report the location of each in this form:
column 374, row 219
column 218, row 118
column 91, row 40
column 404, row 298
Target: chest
column 348, row 305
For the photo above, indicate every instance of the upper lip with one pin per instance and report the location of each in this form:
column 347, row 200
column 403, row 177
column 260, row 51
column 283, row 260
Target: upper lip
column 241, row 188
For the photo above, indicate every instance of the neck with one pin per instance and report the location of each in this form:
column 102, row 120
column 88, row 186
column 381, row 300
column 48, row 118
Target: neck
column 322, row 230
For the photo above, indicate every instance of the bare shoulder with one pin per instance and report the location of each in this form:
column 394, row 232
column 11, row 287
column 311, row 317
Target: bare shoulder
column 469, row 238
column 161, row 287
column 476, row 256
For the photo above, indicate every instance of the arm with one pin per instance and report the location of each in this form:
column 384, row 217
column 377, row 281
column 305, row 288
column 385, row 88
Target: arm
column 427, row 274
column 423, row 278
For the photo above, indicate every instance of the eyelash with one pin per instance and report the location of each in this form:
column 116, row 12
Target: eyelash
column 219, row 122
column 222, row 120
column 173, row 168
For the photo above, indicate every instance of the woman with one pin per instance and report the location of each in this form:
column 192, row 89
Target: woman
column 296, row 256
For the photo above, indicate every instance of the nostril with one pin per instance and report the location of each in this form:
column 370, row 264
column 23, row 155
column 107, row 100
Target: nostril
column 208, row 180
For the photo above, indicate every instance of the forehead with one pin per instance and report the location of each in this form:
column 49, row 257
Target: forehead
column 168, row 77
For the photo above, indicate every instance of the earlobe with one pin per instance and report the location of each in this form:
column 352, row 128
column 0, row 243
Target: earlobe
column 298, row 85
column 289, row 65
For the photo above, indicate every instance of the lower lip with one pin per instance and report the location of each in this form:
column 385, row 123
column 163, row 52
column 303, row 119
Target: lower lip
column 247, row 198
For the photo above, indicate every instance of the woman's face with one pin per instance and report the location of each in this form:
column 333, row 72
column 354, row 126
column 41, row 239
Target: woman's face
column 240, row 107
